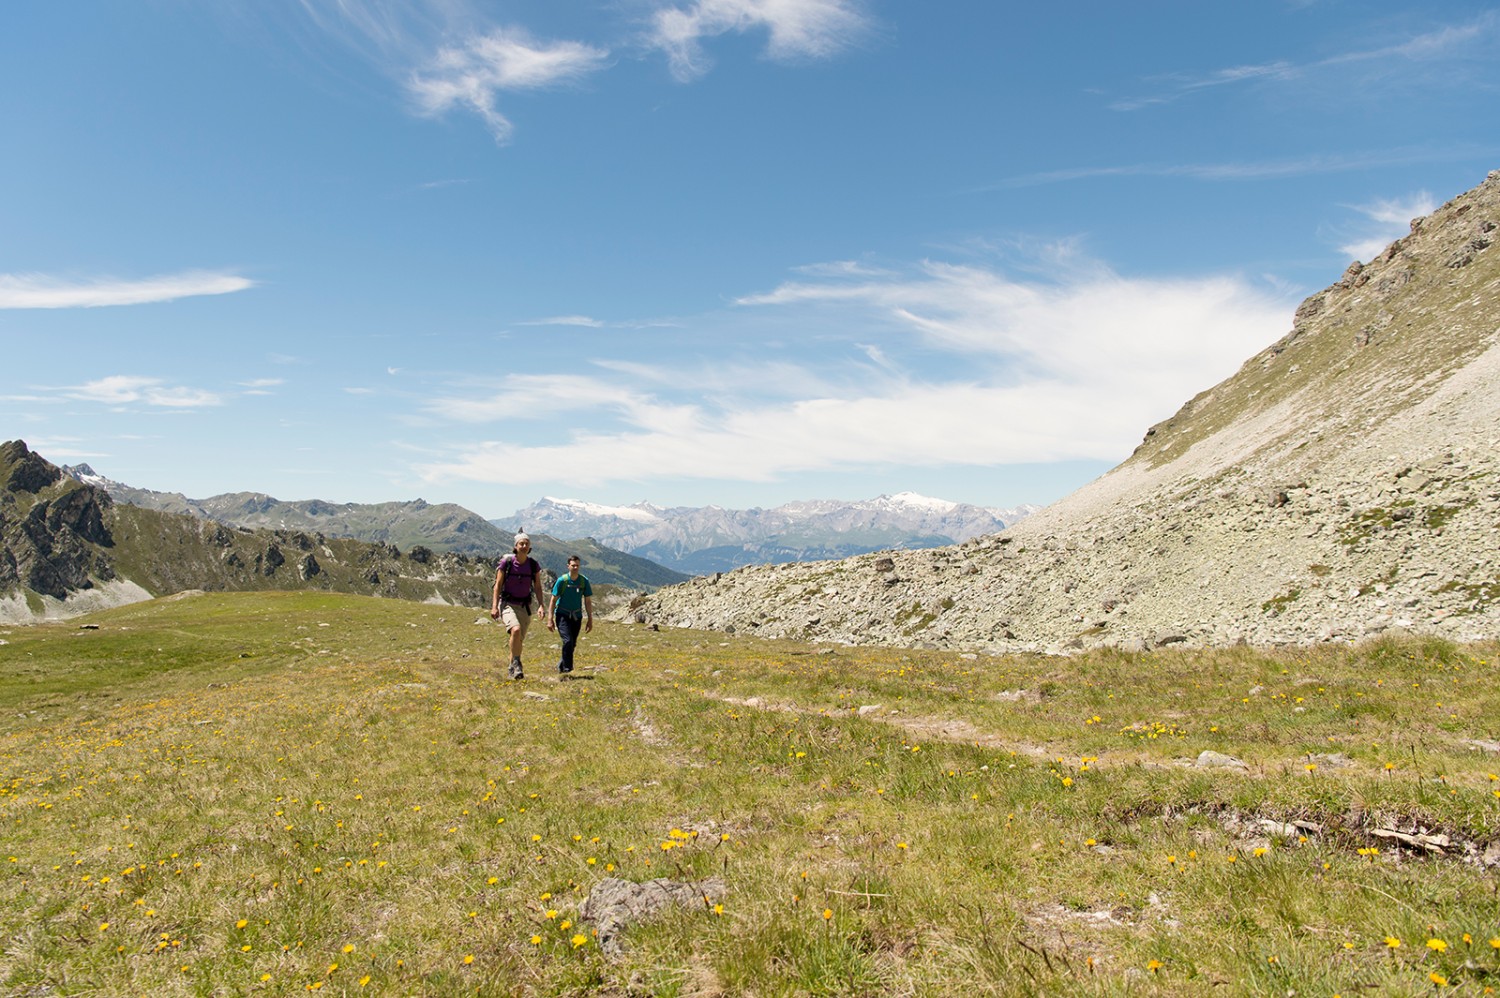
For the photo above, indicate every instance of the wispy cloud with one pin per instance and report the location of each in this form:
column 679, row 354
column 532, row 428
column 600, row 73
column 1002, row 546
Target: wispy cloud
column 1269, row 169
column 450, row 55
column 565, row 320
column 43, row 291
column 842, row 268
column 125, row 389
column 473, row 74
column 1384, row 221
column 1444, row 43
column 797, row 29
column 66, row 449
column 533, row 397
column 261, row 386
column 1046, row 371
column 1177, row 86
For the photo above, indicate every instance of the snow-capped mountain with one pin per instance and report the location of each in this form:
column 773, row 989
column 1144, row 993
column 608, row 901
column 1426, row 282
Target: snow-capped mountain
column 699, row 539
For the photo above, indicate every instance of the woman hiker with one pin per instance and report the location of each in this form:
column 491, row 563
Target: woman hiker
column 517, row 579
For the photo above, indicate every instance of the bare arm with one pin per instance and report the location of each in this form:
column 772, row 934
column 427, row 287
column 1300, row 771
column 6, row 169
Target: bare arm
column 541, row 595
column 495, row 600
column 588, row 604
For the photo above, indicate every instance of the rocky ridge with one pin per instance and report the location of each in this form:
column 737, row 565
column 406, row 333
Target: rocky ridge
column 67, row 548
column 1344, row 483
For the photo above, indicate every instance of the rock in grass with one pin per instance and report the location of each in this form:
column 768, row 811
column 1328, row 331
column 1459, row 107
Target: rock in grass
column 1217, row 760
column 614, row 904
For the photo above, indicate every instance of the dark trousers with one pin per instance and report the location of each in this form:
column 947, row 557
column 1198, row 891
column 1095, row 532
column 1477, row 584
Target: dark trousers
column 569, row 626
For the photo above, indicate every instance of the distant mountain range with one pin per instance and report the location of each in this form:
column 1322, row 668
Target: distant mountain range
column 445, row 527
column 705, row 539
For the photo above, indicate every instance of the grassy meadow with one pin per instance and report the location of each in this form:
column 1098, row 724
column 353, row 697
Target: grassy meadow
column 279, row 793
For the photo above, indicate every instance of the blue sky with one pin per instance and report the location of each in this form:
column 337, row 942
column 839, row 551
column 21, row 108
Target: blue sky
column 689, row 251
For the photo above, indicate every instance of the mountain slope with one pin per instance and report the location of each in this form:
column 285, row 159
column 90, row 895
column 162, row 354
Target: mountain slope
column 66, row 548
column 445, row 527
column 711, row 538
column 1343, row 483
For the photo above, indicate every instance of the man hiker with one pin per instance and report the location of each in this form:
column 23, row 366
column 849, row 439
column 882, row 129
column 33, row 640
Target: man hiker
column 572, row 596
column 517, row 579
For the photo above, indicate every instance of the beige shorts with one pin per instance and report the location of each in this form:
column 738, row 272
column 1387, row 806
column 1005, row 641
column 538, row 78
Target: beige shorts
column 515, row 617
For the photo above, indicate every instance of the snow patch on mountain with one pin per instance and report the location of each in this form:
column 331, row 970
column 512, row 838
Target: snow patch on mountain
column 913, row 500
column 640, row 512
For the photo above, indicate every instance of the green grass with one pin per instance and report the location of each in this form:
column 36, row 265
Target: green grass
column 268, row 793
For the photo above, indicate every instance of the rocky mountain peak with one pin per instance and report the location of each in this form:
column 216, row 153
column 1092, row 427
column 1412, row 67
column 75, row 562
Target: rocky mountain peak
column 25, row 471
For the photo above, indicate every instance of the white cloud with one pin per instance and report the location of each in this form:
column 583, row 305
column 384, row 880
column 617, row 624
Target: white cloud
column 42, row 291
column 124, row 389
column 565, row 320
column 1386, row 220
column 922, row 425
column 1084, row 331
column 797, row 29
column 1048, row 372
column 261, row 386
column 116, row 389
column 842, row 268
column 473, row 75
column 878, row 357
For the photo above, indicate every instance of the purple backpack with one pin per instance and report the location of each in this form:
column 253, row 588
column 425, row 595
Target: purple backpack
column 518, row 576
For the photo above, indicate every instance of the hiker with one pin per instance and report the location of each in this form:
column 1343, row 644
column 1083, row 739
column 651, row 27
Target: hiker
column 517, row 579
column 571, row 597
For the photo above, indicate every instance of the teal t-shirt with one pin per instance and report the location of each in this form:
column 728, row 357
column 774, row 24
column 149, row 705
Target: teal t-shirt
column 570, row 593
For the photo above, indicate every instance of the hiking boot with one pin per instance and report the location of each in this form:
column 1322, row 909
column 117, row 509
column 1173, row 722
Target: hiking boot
column 563, row 670
column 515, row 669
